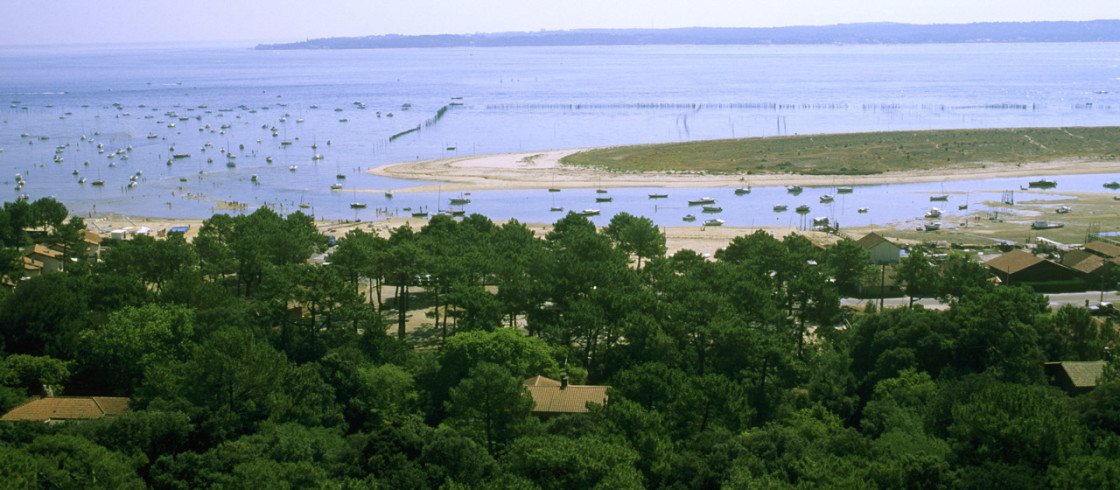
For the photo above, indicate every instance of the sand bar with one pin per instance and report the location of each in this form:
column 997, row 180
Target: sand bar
column 542, row 170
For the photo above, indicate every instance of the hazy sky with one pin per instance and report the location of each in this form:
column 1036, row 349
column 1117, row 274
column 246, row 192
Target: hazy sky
column 251, row 21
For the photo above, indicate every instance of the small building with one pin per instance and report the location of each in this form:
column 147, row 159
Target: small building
column 1018, row 266
column 882, row 250
column 1074, row 377
column 64, row 408
column 51, row 260
column 1091, row 267
column 551, row 397
column 93, row 244
column 1104, row 249
column 31, row 267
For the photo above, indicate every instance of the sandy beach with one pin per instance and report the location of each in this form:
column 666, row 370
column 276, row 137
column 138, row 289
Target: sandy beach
column 542, row 170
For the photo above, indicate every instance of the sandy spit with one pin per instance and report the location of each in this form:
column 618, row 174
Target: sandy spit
column 542, row 170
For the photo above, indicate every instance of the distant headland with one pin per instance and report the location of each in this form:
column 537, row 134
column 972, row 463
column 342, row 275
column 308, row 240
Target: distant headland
column 865, row 33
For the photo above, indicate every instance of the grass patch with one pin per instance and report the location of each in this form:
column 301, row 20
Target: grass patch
column 859, row 153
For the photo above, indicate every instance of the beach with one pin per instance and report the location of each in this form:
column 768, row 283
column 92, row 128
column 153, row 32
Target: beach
column 543, row 169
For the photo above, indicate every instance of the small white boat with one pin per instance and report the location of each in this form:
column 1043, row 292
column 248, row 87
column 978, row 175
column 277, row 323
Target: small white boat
column 702, row 200
column 932, row 226
column 336, row 186
column 589, row 212
column 1063, row 209
column 689, row 217
column 793, row 189
column 861, row 210
column 847, row 189
column 357, row 205
column 742, row 190
column 933, row 213
column 293, row 168
column 714, row 222
column 827, row 198
column 713, row 209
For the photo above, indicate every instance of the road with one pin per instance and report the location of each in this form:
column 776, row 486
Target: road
column 1056, row 300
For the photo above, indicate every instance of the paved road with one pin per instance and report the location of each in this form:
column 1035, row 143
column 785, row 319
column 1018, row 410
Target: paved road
column 1056, row 300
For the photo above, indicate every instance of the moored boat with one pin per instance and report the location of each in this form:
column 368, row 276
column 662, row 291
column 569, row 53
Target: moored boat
column 780, row 207
column 931, row 226
column 1042, row 183
column 742, row 190
column 702, row 200
column 827, row 198
column 714, row 222
column 713, row 209
column 1042, row 224
column 689, row 217
column 357, row 205
column 939, row 197
column 589, row 212
column 658, row 196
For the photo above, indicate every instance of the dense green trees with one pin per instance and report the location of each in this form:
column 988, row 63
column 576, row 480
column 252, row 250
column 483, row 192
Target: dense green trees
column 249, row 366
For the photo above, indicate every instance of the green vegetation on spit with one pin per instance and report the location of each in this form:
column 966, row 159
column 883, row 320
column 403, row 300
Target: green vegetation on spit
column 859, row 153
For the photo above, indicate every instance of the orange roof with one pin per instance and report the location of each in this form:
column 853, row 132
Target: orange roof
column 31, row 264
column 41, row 249
column 68, row 408
column 1103, row 249
column 541, row 381
column 549, row 396
column 91, row 237
column 1013, row 261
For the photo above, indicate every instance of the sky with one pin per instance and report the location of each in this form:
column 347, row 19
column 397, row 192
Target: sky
column 53, row 22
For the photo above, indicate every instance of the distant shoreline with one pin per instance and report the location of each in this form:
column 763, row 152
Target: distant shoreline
column 860, row 33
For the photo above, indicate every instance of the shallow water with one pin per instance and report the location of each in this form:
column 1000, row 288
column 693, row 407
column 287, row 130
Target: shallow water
column 501, row 100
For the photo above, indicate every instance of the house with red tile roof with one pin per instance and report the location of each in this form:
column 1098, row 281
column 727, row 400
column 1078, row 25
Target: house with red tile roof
column 64, row 408
column 552, row 397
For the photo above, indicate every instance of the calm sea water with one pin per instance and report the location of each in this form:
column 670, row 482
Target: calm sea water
column 79, row 105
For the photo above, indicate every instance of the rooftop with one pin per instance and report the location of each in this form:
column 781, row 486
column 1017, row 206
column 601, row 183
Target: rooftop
column 68, row 408
column 1103, row 249
column 551, row 396
column 1014, row 261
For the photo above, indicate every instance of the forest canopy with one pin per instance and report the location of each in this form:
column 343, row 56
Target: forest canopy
column 246, row 364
